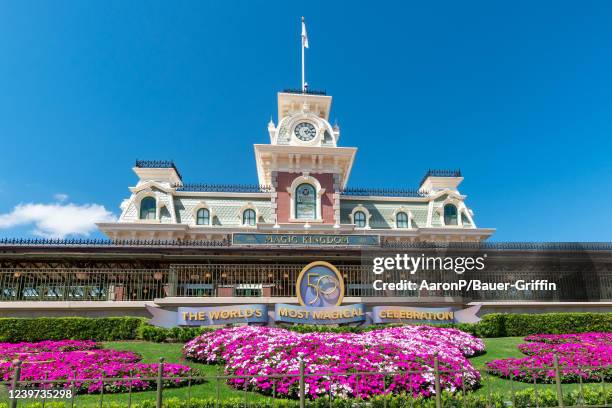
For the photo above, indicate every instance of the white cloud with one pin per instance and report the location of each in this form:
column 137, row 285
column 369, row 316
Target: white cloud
column 57, row 220
column 61, row 197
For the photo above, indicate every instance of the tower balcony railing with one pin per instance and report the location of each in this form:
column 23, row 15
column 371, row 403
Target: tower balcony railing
column 305, row 91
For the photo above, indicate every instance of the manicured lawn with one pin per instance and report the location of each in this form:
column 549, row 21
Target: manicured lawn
column 496, row 348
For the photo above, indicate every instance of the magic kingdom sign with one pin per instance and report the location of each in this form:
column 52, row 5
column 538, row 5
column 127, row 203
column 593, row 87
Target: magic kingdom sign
column 318, row 240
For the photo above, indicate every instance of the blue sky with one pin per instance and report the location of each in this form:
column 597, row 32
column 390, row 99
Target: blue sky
column 518, row 95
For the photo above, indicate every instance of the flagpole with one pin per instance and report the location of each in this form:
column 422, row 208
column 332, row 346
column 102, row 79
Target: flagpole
column 303, row 70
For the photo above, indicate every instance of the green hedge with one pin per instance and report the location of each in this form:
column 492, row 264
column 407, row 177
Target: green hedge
column 76, row 328
column 557, row 323
column 84, row 328
column 502, row 325
column 160, row 334
column 133, row 328
column 527, row 398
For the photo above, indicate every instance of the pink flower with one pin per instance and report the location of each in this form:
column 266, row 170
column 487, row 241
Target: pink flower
column 397, row 359
column 85, row 364
column 582, row 357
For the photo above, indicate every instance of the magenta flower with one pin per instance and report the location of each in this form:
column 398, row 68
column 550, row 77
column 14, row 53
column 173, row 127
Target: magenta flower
column 84, row 364
column 582, row 357
column 397, row 360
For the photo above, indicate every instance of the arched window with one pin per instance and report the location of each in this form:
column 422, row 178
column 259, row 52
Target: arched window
column 401, row 220
column 203, row 217
column 360, row 219
column 305, row 202
column 450, row 214
column 248, row 217
column 148, row 208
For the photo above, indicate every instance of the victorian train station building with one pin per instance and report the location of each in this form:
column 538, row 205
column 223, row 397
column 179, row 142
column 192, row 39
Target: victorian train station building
column 178, row 245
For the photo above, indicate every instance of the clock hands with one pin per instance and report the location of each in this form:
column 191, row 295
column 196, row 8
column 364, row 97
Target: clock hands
column 305, row 131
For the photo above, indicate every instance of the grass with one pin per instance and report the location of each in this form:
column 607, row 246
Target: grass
column 505, row 347
column 496, row 348
column 172, row 353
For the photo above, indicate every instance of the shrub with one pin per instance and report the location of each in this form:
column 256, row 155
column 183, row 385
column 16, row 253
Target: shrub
column 132, row 328
column 156, row 334
column 74, row 328
column 492, row 325
column 556, row 323
column 528, row 398
column 593, row 396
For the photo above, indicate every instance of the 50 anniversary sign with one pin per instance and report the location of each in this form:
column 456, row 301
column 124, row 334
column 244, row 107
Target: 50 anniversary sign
column 320, row 292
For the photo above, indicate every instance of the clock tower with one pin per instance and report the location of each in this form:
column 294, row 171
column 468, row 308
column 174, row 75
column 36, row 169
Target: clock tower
column 303, row 162
column 303, row 174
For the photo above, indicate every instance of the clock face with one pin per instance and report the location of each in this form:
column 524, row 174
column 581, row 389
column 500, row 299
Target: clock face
column 305, row 131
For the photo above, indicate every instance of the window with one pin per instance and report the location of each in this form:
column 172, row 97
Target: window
column 198, row 290
column 450, row 214
column 305, row 202
column 401, row 220
column 148, row 208
column 247, row 292
column 203, row 217
column 248, row 217
column 360, row 219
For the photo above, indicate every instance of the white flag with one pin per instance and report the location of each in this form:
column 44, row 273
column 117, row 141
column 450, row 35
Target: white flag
column 304, row 35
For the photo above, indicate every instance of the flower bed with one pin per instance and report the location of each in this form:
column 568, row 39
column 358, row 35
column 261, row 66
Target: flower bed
column 83, row 364
column 582, row 357
column 399, row 359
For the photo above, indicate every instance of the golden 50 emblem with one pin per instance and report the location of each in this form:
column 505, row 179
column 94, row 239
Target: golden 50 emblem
column 320, row 284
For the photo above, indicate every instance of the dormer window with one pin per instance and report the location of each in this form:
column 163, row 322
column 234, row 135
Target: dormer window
column 249, row 217
column 401, row 220
column 359, row 219
column 450, row 214
column 148, row 208
column 203, row 217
